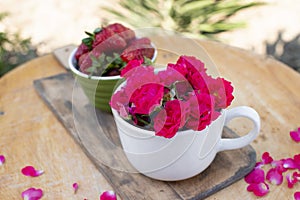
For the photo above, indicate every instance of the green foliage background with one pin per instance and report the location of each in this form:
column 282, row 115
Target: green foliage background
column 13, row 49
column 199, row 18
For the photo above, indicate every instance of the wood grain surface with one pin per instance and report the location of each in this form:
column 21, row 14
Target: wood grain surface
column 31, row 134
column 72, row 108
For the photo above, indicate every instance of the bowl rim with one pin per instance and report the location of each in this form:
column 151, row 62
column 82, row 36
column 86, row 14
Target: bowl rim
column 71, row 61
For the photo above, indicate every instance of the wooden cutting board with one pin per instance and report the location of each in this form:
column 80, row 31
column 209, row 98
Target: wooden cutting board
column 65, row 98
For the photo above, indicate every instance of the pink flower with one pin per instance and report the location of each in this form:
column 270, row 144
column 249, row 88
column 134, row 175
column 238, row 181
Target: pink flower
column 108, row 195
column 266, row 158
column 31, row 171
column 2, row 159
column 257, row 175
column 182, row 89
column 221, row 90
column 129, row 69
column 297, row 195
column 120, row 101
column 199, row 119
column 259, row 189
column 168, row 121
column 170, row 76
column 32, row 194
column 295, row 135
column 274, row 176
column 75, row 187
column 200, row 82
column 147, row 97
column 229, row 90
column 141, row 76
column 191, row 64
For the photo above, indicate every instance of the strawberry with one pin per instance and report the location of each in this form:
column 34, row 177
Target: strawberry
column 143, row 40
column 109, row 41
column 85, row 62
column 82, row 58
column 126, row 33
column 101, row 36
column 82, row 49
column 137, row 51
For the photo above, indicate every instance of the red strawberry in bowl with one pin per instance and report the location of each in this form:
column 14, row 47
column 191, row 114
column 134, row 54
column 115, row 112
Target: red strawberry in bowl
column 99, row 59
column 126, row 33
column 138, row 49
column 107, row 50
column 114, row 43
column 82, row 49
column 139, row 41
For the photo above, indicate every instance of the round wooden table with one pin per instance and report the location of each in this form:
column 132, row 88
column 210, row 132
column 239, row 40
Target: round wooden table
column 30, row 133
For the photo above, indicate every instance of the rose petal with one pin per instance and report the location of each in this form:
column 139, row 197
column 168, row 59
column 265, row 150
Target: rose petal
column 257, row 175
column 289, row 163
column 278, row 164
column 297, row 195
column 75, row 187
column 274, row 176
column 32, row 194
column 31, row 171
column 2, row 159
column 295, row 135
column 291, row 179
column 108, row 195
column 266, row 158
column 259, row 165
column 260, row 189
column 297, row 160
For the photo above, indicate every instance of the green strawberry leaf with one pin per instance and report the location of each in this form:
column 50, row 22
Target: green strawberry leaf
column 98, row 65
column 97, row 30
column 89, row 34
column 147, row 61
column 88, row 42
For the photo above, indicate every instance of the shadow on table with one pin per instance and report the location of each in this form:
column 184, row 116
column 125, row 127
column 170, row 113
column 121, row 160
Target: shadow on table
column 287, row 52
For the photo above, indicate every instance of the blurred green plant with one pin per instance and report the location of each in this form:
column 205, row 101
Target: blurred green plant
column 13, row 49
column 200, row 18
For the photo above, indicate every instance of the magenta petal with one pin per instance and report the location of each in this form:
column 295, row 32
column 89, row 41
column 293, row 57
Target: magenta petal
column 108, row 195
column 2, row 159
column 32, row 194
column 297, row 160
column 291, row 179
column 295, row 135
column 259, row 165
column 75, row 187
column 30, row 171
column 274, row 176
column 278, row 164
column 296, row 176
column 289, row 163
column 297, row 195
column 266, row 158
column 257, row 175
column 260, row 189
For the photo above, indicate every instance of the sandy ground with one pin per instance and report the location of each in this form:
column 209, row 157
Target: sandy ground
column 55, row 23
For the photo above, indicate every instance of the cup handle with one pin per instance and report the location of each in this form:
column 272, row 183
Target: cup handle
column 235, row 143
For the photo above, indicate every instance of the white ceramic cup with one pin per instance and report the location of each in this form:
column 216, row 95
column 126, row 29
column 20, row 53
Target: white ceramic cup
column 188, row 153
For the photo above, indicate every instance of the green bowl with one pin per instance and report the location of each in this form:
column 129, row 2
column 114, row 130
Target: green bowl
column 98, row 89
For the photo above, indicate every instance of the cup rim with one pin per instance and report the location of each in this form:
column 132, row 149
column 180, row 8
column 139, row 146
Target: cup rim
column 71, row 61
